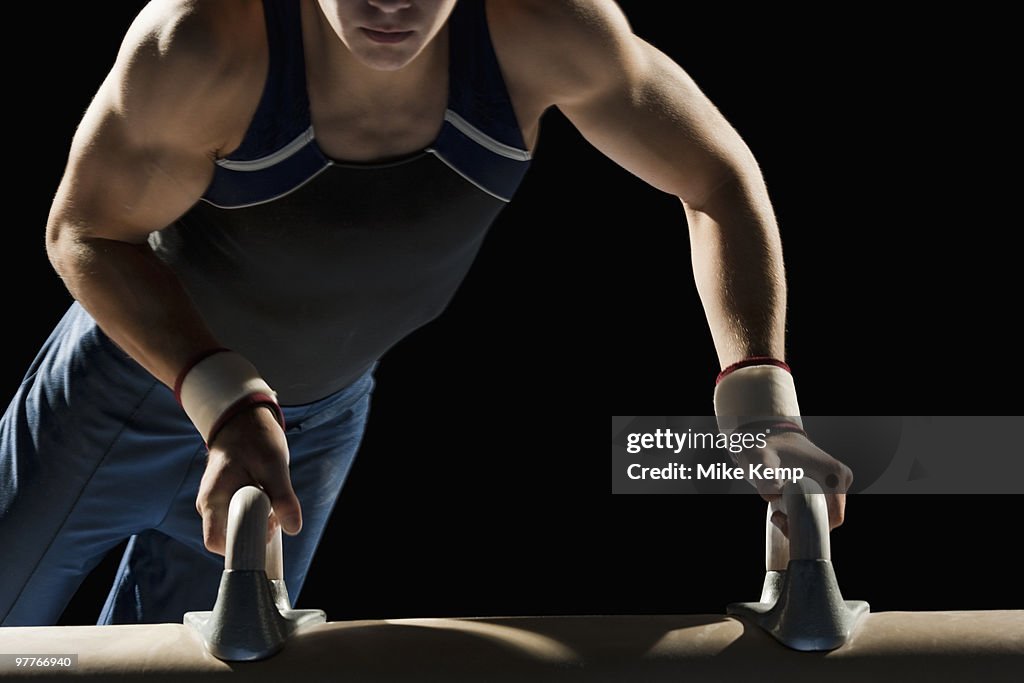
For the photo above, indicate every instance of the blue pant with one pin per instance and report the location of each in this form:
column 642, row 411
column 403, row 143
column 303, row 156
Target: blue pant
column 94, row 450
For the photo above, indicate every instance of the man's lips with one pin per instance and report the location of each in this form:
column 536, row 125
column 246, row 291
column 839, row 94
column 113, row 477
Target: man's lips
column 385, row 36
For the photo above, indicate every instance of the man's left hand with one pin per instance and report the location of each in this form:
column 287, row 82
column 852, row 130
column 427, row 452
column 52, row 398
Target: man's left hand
column 793, row 449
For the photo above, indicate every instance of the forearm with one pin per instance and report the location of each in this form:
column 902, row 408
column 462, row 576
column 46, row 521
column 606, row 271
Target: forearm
column 136, row 299
column 738, row 268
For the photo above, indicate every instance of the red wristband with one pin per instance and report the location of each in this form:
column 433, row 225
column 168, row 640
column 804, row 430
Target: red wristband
column 756, row 391
column 218, row 385
column 753, row 360
column 774, row 426
column 240, row 405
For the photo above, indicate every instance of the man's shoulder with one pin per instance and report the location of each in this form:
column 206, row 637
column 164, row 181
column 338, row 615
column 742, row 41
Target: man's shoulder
column 559, row 44
column 576, row 19
column 210, row 32
column 188, row 70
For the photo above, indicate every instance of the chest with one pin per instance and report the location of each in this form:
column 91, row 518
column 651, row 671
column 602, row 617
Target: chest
column 354, row 129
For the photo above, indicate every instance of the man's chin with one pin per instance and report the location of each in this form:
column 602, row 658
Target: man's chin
column 386, row 58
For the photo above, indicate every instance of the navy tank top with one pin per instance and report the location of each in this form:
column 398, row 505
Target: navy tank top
column 313, row 268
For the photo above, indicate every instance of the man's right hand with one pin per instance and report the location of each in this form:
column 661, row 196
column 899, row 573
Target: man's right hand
column 250, row 449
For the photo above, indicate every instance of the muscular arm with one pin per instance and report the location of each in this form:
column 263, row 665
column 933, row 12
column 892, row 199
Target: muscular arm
column 644, row 112
column 142, row 155
column 184, row 86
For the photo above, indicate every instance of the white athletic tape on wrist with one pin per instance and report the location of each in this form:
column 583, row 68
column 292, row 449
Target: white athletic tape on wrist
column 755, row 393
column 216, row 385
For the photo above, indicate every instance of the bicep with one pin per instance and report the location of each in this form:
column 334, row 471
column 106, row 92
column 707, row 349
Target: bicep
column 653, row 120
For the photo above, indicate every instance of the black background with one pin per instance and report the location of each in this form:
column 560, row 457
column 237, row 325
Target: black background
column 482, row 486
